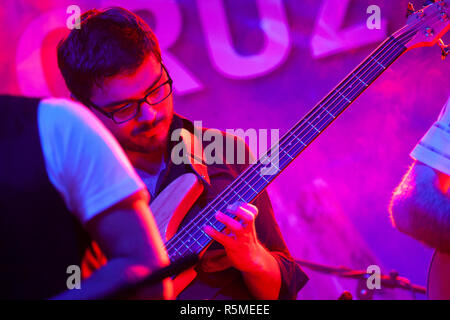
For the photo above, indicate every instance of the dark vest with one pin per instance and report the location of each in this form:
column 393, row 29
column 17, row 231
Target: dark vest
column 39, row 237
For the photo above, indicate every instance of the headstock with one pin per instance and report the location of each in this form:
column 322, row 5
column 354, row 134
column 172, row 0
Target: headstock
column 425, row 27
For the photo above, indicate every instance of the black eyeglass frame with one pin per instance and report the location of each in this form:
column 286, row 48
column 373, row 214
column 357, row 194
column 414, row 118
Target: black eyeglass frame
column 139, row 102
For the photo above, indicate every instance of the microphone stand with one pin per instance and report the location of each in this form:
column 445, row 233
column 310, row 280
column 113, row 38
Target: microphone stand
column 391, row 281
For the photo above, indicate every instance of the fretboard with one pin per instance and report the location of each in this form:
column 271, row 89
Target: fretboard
column 248, row 185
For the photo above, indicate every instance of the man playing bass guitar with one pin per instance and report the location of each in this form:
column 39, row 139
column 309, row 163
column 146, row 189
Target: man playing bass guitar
column 113, row 65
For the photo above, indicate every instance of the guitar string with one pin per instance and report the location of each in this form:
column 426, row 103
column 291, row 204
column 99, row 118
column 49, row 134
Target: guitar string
column 393, row 57
column 386, row 42
column 254, row 186
column 213, row 206
column 343, row 83
column 392, row 38
column 389, row 41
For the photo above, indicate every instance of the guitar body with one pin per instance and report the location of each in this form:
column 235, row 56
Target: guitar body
column 172, row 204
column 169, row 208
column 438, row 277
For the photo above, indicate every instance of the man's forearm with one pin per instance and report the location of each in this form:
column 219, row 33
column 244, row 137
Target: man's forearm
column 116, row 275
column 264, row 282
column 421, row 209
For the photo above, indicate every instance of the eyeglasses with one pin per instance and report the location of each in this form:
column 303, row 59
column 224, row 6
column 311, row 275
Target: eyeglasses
column 131, row 109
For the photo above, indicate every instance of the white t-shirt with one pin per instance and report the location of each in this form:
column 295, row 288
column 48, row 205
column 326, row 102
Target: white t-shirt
column 434, row 148
column 84, row 161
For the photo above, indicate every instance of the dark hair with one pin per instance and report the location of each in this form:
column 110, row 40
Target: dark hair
column 109, row 42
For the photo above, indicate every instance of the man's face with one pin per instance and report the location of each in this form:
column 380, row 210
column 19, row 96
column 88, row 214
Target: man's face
column 148, row 131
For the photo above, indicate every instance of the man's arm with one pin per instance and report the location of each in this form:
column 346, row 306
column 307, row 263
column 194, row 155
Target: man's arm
column 128, row 235
column 420, row 206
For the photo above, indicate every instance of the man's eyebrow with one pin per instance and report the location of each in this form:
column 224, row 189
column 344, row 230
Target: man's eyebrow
column 150, row 88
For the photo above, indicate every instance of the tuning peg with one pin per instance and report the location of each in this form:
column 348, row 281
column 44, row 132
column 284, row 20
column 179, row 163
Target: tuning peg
column 410, row 9
column 445, row 49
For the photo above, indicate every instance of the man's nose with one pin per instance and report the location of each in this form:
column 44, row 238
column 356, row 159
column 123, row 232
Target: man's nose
column 147, row 113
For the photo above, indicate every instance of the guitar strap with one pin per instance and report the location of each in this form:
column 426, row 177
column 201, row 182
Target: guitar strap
column 194, row 149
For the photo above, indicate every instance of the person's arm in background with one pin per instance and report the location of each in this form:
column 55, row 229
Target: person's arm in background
column 129, row 238
column 420, row 206
column 90, row 170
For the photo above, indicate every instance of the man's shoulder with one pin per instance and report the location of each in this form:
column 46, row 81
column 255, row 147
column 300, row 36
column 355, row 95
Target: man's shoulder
column 64, row 111
column 207, row 134
column 69, row 119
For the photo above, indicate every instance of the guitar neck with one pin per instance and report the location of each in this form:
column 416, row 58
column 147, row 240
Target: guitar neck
column 247, row 186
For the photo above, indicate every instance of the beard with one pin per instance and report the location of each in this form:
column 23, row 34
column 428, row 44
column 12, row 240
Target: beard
column 143, row 144
column 146, row 138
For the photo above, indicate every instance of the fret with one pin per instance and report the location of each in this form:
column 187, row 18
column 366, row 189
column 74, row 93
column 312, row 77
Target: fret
column 211, row 223
column 197, row 241
column 313, row 126
column 265, row 180
column 177, row 252
column 360, row 80
column 377, row 62
column 343, row 96
column 200, row 229
column 256, row 192
column 202, row 234
column 318, row 118
column 286, row 153
column 192, row 240
column 276, row 168
column 371, row 76
column 301, row 142
column 184, row 243
column 270, row 171
column 238, row 195
column 327, row 111
column 173, row 256
column 223, row 200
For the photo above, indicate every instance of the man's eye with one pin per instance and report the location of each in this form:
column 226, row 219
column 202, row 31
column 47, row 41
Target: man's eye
column 157, row 93
column 124, row 106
